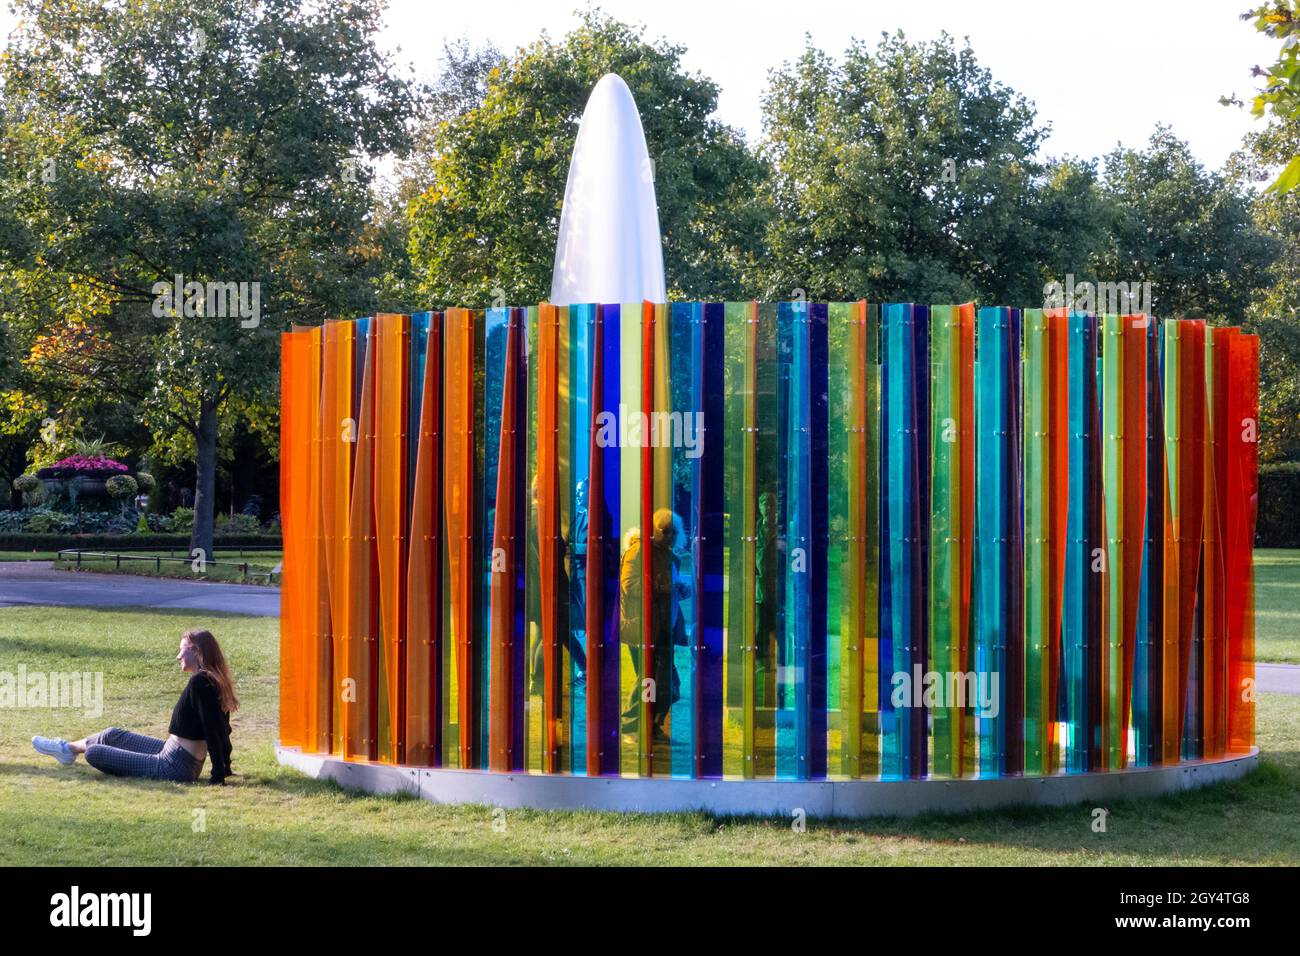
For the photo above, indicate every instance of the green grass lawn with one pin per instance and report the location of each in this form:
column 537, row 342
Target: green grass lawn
column 26, row 555
column 1277, row 605
column 269, row 815
column 258, row 561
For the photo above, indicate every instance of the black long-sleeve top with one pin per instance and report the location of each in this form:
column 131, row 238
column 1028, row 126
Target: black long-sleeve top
column 198, row 716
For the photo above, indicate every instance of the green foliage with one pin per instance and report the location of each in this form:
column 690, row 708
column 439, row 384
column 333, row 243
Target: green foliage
column 94, row 447
column 1186, row 230
column 48, row 522
column 1274, row 312
column 145, row 481
column 219, row 140
column 905, row 171
column 238, row 524
column 181, row 521
column 121, row 486
column 489, row 216
column 1280, row 95
column 26, row 483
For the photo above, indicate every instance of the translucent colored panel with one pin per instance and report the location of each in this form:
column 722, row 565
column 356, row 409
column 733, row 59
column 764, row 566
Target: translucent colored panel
column 535, row 748
column 1148, row 654
column 575, row 368
column 1171, row 687
column 359, row 679
column 505, row 497
column 1134, row 508
column 1038, row 709
column 793, row 494
column 902, row 731
column 604, row 557
column 844, row 546
column 391, row 339
column 945, row 534
column 1078, row 641
column 710, row 376
column 318, row 684
column 868, row 457
column 1190, row 523
column 1058, row 508
column 424, row 556
column 992, row 537
column 295, row 460
column 819, row 529
column 1112, row 566
column 1241, row 450
column 771, row 649
column 1214, row 712
column 738, row 397
column 461, row 691
column 1013, row 703
column 338, row 430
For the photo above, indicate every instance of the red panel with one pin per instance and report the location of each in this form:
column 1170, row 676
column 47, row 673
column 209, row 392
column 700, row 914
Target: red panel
column 1241, row 499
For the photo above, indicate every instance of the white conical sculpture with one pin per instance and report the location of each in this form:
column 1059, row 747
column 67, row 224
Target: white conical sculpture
column 610, row 248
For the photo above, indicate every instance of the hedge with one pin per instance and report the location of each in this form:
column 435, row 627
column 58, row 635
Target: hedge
column 1279, row 506
column 134, row 542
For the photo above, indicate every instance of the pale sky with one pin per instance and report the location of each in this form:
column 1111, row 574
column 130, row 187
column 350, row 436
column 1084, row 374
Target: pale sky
column 1099, row 72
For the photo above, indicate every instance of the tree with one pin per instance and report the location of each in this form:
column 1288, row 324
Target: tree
column 1280, row 19
column 490, row 217
column 222, row 141
column 1186, row 230
column 905, row 171
column 1274, row 314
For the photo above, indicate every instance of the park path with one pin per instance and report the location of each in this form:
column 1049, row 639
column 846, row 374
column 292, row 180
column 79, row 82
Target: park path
column 27, row 583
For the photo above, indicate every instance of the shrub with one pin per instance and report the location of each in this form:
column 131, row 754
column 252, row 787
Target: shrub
column 21, row 541
column 145, row 481
column 48, row 522
column 1279, row 519
column 237, row 524
column 182, row 521
column 121, row 486
column 26, row 483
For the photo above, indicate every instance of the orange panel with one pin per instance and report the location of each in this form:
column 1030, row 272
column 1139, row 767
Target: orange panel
column 458, row 487
column 424, row 575
column 360, row 581
column 295, row 459
column 338, row 434
column 392, row 338
column 319, row 698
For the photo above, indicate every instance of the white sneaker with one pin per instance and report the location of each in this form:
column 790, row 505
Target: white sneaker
column 55, row 747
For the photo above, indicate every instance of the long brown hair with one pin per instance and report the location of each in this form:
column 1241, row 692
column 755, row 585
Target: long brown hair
column 213, row 663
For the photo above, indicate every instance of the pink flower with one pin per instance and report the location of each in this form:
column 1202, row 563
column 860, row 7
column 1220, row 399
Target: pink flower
column 82, row 463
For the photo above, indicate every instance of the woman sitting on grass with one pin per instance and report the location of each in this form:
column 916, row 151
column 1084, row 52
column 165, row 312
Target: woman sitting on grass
column 200, row 726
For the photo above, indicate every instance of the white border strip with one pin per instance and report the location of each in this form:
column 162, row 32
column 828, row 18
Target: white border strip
column 817, row 798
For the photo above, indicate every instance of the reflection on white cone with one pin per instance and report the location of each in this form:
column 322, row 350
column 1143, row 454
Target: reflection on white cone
column 610, row 248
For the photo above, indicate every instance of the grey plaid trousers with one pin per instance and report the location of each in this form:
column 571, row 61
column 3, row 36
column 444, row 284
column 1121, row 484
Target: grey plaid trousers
column 123, row 754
